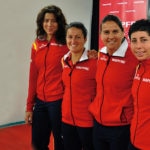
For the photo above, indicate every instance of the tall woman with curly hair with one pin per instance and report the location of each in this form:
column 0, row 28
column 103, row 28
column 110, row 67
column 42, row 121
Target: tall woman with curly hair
column 45, row 92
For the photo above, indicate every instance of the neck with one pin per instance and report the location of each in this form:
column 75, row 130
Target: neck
column 110, row 52
column 75, row 57
column 49, row 37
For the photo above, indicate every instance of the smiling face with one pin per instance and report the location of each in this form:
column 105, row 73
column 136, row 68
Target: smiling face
column 50, row 25
column 140, row 45
column 111, row 35
column 75, row 40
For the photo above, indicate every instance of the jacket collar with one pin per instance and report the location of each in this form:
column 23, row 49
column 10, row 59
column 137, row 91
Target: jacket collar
column 120, row 51
column 82, row 58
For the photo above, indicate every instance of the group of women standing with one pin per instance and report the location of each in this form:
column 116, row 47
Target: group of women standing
column 88, row 103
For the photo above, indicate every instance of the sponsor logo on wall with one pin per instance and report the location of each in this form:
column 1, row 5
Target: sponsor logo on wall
column 127, row 10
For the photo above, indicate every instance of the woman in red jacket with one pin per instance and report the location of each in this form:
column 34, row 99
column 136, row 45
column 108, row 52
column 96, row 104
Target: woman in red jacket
column 45, row 85
column 112, row 107
column 80, row 88
column 139, row 34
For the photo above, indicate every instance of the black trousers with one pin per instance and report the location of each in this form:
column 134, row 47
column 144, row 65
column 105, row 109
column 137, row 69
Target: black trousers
column 111, row 137
column 47, row 120
column 131, row 147
column 77, row 138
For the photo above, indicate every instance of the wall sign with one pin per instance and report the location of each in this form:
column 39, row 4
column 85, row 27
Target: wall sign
column 127, row 10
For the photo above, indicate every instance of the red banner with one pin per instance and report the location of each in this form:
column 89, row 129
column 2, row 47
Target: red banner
column 127, row 10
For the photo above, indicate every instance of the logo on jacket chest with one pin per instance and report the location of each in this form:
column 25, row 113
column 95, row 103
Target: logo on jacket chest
column 118, row 60
column 137, row 77
column 104, row 58
column 79, row 67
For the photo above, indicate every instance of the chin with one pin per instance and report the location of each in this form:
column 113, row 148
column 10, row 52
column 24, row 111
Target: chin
column 141, row 58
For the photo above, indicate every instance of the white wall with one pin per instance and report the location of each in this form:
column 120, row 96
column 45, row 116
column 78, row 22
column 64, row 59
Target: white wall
column 17, row 31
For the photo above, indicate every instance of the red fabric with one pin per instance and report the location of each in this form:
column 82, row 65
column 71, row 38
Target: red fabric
column 80, row 89
column 45, row 71
column 140, row 125
column 113, row 103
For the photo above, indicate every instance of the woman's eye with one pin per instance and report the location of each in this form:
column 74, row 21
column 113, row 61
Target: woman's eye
column 106, row 32
column 144, row 40
column 133, row 41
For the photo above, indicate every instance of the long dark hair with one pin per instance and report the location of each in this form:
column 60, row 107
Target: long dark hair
column 60, row 19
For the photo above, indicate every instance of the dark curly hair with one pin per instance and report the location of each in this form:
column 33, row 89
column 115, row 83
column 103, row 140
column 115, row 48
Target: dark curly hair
column 60, row 19
column 140, row 25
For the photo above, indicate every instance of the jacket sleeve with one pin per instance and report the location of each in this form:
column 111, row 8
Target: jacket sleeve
column 33, row 74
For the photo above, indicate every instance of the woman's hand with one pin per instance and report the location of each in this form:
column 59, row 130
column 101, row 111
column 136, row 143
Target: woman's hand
column 28, row 117
column 92, row 54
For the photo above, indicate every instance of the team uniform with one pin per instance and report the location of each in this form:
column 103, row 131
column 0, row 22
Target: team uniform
column 80, row 89
column 112, row 107
column 46, row 91
column 140, row 125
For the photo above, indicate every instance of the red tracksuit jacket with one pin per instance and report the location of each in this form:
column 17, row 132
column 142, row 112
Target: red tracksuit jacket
column 80, row 89
column 113, row 104
column 45, row 71
column 140, row 125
